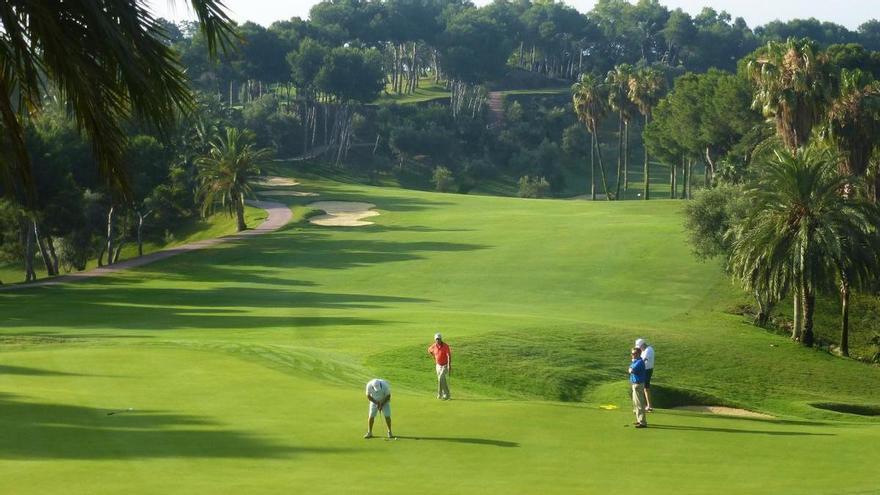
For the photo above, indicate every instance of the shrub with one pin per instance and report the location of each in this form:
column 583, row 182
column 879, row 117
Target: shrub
column 533, row 187
column 443, row 179
column 875, row 349
column 710, row 216
column 575, row 140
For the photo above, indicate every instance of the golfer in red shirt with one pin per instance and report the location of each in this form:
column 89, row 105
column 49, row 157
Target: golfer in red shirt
column 443, row 357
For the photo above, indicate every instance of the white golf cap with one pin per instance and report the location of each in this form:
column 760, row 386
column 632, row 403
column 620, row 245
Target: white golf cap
column 438, row 336
column 640, row 342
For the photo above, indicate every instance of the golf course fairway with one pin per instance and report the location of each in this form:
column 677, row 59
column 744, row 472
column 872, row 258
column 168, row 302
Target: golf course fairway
column 240, row 368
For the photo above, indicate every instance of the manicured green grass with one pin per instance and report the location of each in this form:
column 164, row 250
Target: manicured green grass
column 428, row 90
column 540, row 91
column 244, row 365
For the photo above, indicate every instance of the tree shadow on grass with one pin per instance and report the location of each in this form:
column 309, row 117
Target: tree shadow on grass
column 713, row 429
column 317, row 247
column 25, row 371
column 54, row 431
column 410, row 228
column 231, row 300
column 148, row 308
column 264, row 260
column 473, row 441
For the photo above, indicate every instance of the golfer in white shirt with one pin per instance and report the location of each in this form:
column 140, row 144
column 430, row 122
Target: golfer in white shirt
column 379, row 395
column 648, row 357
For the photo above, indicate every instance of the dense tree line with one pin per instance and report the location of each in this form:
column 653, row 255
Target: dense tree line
column 454, row 40
column 99, row 144
column 75, row 216
column 792, row 203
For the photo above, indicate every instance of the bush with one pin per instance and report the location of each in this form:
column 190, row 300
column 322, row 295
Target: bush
column 533, row 187
column 513, row 112
column 575, row 140
column 875, row 349
column 709, row 217
column 443, row 179
column 75, row 249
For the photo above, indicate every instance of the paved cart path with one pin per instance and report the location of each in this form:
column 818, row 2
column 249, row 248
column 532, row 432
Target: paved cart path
column 279, row 216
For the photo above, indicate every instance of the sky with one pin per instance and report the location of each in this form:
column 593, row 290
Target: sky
column 850, row 13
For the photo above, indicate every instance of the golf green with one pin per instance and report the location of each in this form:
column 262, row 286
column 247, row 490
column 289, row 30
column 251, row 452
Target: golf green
column 240, row 369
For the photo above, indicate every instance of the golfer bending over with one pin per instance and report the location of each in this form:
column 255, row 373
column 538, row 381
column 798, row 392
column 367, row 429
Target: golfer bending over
column 637, row 381
column 379, row 395
column 443, row 358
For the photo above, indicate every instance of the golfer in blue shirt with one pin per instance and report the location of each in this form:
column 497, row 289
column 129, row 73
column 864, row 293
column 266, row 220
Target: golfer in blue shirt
column 637, row 378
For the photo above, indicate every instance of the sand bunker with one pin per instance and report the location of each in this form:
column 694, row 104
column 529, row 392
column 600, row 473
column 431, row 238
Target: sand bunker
column 271, row 180
column 283, row 192
column 342, row 213
column 724, row 411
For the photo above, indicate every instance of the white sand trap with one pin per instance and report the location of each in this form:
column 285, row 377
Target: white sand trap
column 342, row 213
column 724, row 411
column 271, row 180
column 298, row 194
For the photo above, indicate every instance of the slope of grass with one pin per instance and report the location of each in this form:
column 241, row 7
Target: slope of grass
column 428, row 90
column 244, row 365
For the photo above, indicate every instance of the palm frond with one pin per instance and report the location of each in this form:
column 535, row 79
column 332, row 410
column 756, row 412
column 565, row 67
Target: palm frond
column 108, row 61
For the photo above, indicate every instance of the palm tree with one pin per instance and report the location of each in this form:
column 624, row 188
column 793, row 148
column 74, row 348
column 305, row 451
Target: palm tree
column 645, row 88
column 107, row 59
column 857, row 266
column 791, row 84
column 590, row 106
column 791, row 87
column 799, row 233
column 853, row 126
column 618, row 99
column 226, row 173
column 854, row 120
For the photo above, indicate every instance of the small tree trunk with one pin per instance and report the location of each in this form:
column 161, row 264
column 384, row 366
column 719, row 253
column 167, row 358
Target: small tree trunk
column 110, row 236
column 326, row 119
column 29, row 274
column 44, row 253
column 140, row 239
column 118, row 251
column 602, row 168
column 684, row 178
column 672, row 170
column 647, row 166
column 710, row 169
column 592, row 167
column 809, row 306
column 690, row 177
column 765, row 306
column 619, row 154
column 51, row 245
column 844, row 316
column 796, row 315
column 626, row 156
column 239, row 214
column 415, row 73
